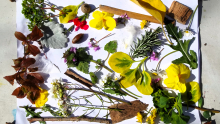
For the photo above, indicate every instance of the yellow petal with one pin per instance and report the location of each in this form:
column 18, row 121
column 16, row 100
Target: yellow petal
column 97, row 15
column 195, row 91
column 42, row 99
column 184, row 71
column 173, row 71
column 169, row 82
column 129, row 77
column 108, row 14
column 155, row 7
column 110, row 23
column 181, row 87
column 96, row 23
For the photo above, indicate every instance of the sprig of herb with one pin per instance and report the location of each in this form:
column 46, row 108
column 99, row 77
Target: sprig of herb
column 144, row 46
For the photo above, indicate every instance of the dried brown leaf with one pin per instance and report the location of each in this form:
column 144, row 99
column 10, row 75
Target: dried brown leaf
column 35, row 34
column 20, row 36
column 30, row 86
column 18, row 92
column 33, row 69
column 27, row 62
column 35, row 78
column 32, row 96
column 33, row 49
column 17, row 61
column 10, row 78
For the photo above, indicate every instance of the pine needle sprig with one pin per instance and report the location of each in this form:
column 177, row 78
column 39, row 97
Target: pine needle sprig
column 143, row 47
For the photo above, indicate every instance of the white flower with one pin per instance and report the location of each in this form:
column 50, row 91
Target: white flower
column 187, row 33
column 132, row 34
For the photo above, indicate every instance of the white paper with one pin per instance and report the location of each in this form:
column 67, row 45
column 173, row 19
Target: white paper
column 55, row 55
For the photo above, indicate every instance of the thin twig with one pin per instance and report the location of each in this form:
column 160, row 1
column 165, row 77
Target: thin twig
column 202, row 109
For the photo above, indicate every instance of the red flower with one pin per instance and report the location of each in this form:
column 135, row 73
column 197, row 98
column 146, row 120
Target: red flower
column 78, row 24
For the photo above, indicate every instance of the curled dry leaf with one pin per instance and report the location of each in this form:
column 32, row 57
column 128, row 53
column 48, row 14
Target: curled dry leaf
column 35, row 34
column 77, row 38
column 33, row 69
column 33, row 49
column 27, row 62
column 10, row 78
column 18, row 92
column 20, row 36
column 35, row 78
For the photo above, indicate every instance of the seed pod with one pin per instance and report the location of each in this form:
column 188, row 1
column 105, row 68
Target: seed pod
column 85, row 8
column 77, row 38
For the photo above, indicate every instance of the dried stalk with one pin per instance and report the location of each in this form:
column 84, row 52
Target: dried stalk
column 202, row 109
column 78, row 118
column 100, row 93
column 78, row 78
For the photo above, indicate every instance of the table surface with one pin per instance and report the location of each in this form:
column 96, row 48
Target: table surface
column 210, row 67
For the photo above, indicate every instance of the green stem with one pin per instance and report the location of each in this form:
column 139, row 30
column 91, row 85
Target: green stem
column 190, row 23
column 163, row 58
column 100, row 93
column 128, row 90
column 95, row 107
column 128, row 94
column 102, row 65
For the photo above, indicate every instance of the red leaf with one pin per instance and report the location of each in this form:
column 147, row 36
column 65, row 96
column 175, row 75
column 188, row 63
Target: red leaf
column 10, row 78
column 20, row 36
column 27, row 62
column 33, row 49
column 16, row 68
column 35, row 78
column 32, row 96
column 18, row 92
column 33, row 69
column 35, row 34
column 30, row 86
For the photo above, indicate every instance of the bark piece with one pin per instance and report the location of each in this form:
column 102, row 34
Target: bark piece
column 82, row 118
column 179, row 12
column 78, row 78
column 126, row 111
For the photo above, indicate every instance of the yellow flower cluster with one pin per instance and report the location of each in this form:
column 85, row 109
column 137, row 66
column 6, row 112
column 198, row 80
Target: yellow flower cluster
column 143, row 23
column 102, row 19
column 42, row 99
column 151, row 118
column 139, row 117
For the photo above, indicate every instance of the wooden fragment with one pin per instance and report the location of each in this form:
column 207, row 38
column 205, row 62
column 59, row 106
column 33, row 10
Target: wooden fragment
column 82, row 118
column 179, row 12
column 78, row 78
column 129, row 13
column 126, row 111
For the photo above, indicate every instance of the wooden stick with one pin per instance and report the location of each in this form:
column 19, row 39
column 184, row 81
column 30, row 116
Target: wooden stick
column 129, row 13
column 78, row 78
column 78, row 118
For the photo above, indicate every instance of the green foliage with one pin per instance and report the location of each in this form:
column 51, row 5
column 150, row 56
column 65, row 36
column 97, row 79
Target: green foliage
column 93, row 77
column 144, row 46
column 166, row 105
column 188, row 57
column 81, row 59
column 124, row 62
column 33, row 114
column 113, row 87
column 47, row 108
column 111, row 46
column 200, row 102
column 206, row 114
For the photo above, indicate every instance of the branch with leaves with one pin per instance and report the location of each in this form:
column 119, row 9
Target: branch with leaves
column 27, row 77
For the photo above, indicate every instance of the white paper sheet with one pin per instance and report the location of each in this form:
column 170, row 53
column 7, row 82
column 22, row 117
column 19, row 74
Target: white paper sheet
column 55, row 55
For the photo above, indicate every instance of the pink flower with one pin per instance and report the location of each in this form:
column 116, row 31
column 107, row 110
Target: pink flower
column 154, row 56
column 90, row 44
column 65, row 60
column 74, row 60
column 73, row 49
column 156, row 80
column 125, row 16
column 96, row 48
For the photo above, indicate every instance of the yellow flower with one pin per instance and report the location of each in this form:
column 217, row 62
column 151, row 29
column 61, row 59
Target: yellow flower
column 177, row 75
column 103, row 19
column 139, row 117
column 71, row 15
column 151, row 118
column 42, row 99
column 143, row 23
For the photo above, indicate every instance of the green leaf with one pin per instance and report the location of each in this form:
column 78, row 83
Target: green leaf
column 163, row 101
column 206, row 114
column 195, row 91
column 144, row 84
column 183, row 47
column 178, row 104
column 99, row 61
column 200, row 102
column 177, row 119
column 93, row 77
column 111, row 46
column 120, row 62
column 84, row 67
column 129, row 77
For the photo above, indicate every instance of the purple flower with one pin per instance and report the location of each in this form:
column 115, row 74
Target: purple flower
column 154, row 56
column 96, row 48
column 65, row 60
column 156, row 80
column 90, row 44
column 125, row 16
column 74, row 59
column 74, row 49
